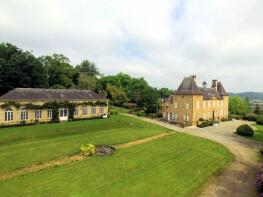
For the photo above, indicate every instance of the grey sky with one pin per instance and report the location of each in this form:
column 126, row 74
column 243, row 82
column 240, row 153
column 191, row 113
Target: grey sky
column 161, row 40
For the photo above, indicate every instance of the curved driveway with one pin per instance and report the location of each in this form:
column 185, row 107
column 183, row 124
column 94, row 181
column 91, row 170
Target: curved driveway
column 238, row 179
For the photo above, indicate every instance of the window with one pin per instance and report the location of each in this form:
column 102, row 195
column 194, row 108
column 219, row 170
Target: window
column 209, row 104
column 204, row 104
column 24, row 114
column 187, row 105
column 175, row 105
column 186, row 117
column 63, row 112
column 217, row 103
column 50, row 113
column 84, row 110
column 101, row 110
column 214, row 103
column 222, row 103
column 76, row 111
column 93, row 110
column 204, row 116
column 9, row 115
column 38, row 114
column 175, row 116
column 197, row 105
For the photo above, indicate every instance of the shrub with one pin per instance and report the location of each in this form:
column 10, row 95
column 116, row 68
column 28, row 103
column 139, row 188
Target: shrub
column 87, row 149
column 201, row 119
column 259, row 180
column 245, row 130
column 140, row 113
column 233, row 116
column 259, row 120
column 226, row 119
column 251, row 117
column 206, row 123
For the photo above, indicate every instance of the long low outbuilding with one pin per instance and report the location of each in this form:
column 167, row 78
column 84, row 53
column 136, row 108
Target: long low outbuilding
column 30, row 105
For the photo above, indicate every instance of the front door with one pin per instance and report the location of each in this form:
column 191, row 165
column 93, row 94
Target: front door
column 63, row 114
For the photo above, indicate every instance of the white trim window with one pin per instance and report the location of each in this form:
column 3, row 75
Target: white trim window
column 204, row 104
column 63, row 112
column 38, row 114
column 175, row 116
column 76, row 111
column 9, row 114
column 222, row 103
column 175, row 105
column 101, row 110
column 209, row 104
column 218, row 104
column 50, row 113
column 198, row 105
column 84, row 110
column 93, row 110
column 24, row 114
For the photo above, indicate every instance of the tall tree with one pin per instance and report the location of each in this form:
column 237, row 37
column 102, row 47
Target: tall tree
column 19, row 68
column 165, row 92
column 59, row 70
column 88, row 68
column 117, row 95
column 238, row 106
column 257, row 110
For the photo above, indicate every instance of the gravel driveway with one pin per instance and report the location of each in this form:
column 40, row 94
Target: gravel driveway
column 238, row 179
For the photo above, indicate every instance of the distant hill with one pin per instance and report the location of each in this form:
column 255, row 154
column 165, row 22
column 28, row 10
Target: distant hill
column 249, row 95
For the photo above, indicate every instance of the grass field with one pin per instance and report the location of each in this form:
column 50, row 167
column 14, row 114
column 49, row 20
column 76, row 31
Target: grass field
column 258, row 134
column 23, row 146
column 175, row 165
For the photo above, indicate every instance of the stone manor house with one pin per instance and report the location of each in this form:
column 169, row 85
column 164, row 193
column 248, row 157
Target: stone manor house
column 190, row 103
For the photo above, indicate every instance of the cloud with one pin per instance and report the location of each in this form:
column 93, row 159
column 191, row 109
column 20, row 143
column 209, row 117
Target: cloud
column 160, row 40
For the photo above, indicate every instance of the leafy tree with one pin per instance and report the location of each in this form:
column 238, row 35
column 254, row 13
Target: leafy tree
column 117, row 95
column 149, row 101
column 86, row 82
column 238, row 106
column 57, row 86
column 20, row 68
column 257, row 110
column 59, row 70
column 165, row 92
column 87, row 67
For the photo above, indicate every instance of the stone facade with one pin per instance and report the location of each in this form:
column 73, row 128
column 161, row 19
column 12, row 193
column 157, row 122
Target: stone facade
column 190, row 103
column 16, row 112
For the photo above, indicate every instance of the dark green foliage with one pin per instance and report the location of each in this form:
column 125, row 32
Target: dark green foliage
column 206, row 123
column 60, row 72
column 257, row 110
column 10, row 104
column 20, row 68
column 165, row 92
column 88, row 68
column 233, row 116
column 226, row 119
column 245, row 130
column 251, row 117
column 259, row 120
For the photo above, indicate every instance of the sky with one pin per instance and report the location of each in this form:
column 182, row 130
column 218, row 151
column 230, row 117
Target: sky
column 160, row 40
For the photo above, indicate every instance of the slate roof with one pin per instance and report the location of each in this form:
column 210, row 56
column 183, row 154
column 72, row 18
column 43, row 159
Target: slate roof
column 49, row 94
column 189, row 87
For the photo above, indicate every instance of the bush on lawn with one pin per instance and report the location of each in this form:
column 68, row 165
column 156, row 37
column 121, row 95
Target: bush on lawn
column 226, row 119
column 233, row 116
column 259, row 180
column 259, row 120
column 87, row 149
column 245, row 130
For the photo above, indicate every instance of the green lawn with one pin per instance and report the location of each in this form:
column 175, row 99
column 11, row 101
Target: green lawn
column 258, row 135
column 176, row 165
column 23, row 146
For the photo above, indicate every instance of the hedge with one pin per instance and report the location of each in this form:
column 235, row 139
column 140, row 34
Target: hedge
column 245, row 130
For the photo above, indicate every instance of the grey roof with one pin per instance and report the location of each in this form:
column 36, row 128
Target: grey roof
column 49, row 94
column 189, row 87
column 221, row 89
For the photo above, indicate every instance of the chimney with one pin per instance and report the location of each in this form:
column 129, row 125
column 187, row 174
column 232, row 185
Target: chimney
column 204, row 84
column 214, row 84
column 194, row 77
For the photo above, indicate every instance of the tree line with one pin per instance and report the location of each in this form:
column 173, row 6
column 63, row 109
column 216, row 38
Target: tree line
column 19, row 68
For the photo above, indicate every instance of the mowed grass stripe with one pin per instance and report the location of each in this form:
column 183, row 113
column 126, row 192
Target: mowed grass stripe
column 175, row 165
column 40, row 149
